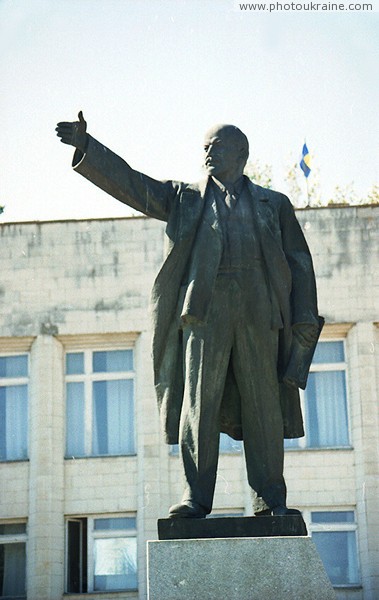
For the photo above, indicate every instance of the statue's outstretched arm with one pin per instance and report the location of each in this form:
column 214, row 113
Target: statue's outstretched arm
column 112, row 174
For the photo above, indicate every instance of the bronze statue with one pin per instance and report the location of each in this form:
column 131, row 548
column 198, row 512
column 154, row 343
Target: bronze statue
column 233, row 304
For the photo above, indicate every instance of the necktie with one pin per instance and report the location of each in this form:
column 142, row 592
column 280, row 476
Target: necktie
column 230, row 199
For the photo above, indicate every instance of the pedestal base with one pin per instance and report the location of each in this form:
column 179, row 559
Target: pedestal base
column 267, row 568
column 231, row 527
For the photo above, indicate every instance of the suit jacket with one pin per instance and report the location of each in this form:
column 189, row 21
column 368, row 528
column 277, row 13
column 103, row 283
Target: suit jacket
column 287, row 262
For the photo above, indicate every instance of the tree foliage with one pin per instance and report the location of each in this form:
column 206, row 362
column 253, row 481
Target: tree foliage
column 259, row 173
column 308, row 193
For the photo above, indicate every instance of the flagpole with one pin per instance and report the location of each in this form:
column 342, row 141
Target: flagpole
column 304, row 165
column 307, row 179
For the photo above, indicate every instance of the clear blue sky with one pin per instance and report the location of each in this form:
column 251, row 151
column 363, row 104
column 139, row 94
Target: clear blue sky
column 151, row 76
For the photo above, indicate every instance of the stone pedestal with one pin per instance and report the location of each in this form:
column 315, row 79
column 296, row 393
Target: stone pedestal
column 266, row 568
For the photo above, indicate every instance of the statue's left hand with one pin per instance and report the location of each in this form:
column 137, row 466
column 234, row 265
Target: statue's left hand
column 74, row 134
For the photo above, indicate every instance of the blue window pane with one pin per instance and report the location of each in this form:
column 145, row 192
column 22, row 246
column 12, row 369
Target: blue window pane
column 12, row 528
column 115, row 564
column 75, row 439
column 227, row 445
column 14, row 366
column 13, row 571
column 116, row 523
column 113, row 361
column 339, row 516
column 14, row 422
column 291, row 443
column 113, row 417
column 326, row 409
column 338, row 552
column 329, row 352
column 75, row 363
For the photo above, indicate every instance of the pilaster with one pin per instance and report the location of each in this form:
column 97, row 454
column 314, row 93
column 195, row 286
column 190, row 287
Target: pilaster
column 45, row 567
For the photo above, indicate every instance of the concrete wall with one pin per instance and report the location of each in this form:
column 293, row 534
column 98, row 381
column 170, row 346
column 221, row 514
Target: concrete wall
column 85, row 284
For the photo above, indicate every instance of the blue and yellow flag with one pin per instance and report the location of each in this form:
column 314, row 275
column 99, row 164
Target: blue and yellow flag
column 305, row 161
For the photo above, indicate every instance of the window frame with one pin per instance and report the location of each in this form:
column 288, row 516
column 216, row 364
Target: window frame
column 302, row 443
column 16, row 538
column 88, row 377
column 331, row 527
column 91, row 535
column 14, row 382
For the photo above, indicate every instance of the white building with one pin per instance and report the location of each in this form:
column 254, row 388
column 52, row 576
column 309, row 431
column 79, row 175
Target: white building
column 84, row 473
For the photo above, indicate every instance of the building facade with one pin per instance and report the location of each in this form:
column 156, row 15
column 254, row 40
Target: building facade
column 84, row 472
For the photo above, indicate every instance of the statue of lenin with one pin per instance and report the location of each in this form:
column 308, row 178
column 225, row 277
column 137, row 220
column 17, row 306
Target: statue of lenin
column 234, row 308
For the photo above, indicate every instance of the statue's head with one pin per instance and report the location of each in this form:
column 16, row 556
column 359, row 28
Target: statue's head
column 226, row 150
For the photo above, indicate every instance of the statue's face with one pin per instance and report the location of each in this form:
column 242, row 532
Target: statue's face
column 223, row 156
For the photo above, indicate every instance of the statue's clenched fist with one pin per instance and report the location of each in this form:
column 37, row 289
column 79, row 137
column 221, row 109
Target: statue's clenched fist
column 306, row 334
column 74, row 133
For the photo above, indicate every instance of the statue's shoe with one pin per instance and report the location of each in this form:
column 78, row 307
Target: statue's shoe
column 280, row 511
column 187, row 510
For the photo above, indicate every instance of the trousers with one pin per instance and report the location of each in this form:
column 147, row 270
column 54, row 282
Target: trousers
column 237, row 334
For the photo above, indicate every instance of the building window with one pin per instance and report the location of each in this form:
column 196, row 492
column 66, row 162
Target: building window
column 101, row 554
column 100, row 403
column 334, row 534
column 13, row 560
column 324, row 401
column 227, row 446
column 14, row 407
column 226, row 512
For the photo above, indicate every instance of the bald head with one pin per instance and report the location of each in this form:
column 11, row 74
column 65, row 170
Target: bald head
column 232, row 134
column 226, row 152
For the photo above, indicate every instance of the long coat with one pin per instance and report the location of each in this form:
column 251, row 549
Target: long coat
column 287, row 263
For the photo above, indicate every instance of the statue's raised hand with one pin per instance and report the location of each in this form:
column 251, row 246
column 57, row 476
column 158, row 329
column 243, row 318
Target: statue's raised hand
column 74, row 134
